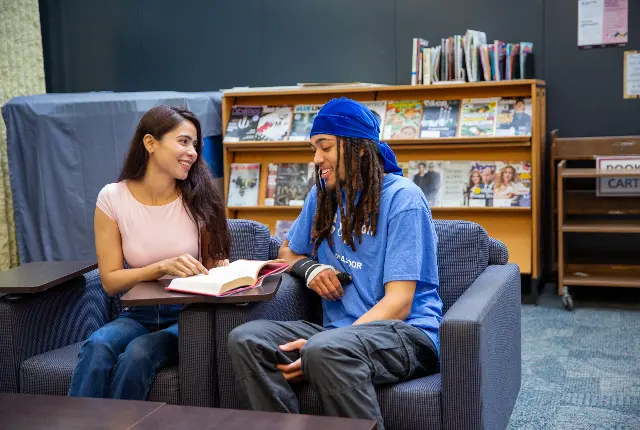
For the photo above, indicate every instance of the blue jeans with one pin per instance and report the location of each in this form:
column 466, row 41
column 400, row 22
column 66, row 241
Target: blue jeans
column 120, row 360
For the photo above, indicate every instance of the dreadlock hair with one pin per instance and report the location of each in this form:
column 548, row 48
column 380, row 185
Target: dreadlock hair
column 362, row 173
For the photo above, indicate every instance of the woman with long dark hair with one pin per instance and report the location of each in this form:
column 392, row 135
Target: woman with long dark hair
column 163, row 218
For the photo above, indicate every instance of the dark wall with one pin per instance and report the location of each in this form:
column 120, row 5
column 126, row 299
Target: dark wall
column 153, row 45
column 584, row 95
column 199, row 45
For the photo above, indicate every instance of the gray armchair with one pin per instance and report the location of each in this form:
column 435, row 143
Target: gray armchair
column 41, row 334
column 480, row 365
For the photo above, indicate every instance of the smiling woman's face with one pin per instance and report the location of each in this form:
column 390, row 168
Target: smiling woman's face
column 176, row 151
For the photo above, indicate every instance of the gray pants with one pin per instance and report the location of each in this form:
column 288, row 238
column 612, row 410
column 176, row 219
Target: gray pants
column 343, row 365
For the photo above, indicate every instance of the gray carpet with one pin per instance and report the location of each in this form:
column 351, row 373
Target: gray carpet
column 580, row 369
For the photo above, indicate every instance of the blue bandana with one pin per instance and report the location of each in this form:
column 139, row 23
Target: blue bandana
column 348, row 118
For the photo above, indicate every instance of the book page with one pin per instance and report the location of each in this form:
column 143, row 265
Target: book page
column 235, row 270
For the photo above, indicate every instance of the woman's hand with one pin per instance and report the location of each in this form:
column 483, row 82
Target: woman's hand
column 182, row 266
column 221, row 263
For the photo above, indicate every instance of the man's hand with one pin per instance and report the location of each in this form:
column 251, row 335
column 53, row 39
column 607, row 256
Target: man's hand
column 293, row 371
column 327, row 285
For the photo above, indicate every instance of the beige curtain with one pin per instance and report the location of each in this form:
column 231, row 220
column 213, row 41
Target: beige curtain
column 21, row 73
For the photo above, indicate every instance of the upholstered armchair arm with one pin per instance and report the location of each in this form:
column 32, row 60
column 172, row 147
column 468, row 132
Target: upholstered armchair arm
column 274, row 247
column 250, row 240
column 31, row 324
column 480, row 352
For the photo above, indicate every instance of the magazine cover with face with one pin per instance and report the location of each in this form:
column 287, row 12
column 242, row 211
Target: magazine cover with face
column 429, row 176
column 512, row 184
column 403, row 119
column 514, row 117
column 481, row 183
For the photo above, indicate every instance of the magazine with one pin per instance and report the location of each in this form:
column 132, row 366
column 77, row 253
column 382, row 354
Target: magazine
column 478, row 117
column 244, row 181
column 402, row 120
column 512, row 186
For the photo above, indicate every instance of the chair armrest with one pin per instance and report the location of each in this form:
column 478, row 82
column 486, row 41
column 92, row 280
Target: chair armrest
column 498, row 252
column 250, row 240
column 31, row 324
column 480, row 352
column 274, row 247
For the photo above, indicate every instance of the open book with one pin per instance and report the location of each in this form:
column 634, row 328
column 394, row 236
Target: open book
column 237, row 276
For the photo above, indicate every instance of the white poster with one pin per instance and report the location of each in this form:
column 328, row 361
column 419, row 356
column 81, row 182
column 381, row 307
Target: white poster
column 603, row 22
column 632, row 74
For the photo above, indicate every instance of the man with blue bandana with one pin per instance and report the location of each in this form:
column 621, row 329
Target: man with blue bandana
column 366, row 244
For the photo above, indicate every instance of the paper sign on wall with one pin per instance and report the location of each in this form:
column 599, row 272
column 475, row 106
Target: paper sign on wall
column 603, row 22
column 631, row 75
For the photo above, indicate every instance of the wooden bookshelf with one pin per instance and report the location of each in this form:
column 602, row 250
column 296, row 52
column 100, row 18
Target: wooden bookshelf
column 518, row 228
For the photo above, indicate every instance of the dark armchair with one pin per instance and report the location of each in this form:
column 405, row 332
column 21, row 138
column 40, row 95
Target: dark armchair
column 480, row 372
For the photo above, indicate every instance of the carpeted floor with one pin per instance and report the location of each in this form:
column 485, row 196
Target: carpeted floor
column 580, row 369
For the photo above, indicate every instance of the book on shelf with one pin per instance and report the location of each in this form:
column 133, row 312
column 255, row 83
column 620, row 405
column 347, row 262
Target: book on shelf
column 238, row 276
column 244, row 184
column 419, row 47
column 289, row 183
column 470, row 58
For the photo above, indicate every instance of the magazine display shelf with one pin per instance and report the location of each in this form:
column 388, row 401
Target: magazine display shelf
column 518, row 227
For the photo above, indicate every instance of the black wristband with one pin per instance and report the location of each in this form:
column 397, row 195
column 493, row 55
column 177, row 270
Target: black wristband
column 302, row 267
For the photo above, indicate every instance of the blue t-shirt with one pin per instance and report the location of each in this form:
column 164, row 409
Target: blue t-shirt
column 403, row 249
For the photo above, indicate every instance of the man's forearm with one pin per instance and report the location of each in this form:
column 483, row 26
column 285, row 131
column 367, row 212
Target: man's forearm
column 389, row 308
column 289, row 256
column 395, row 305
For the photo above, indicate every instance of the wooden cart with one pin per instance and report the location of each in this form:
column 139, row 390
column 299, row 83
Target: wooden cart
column 579, row 210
